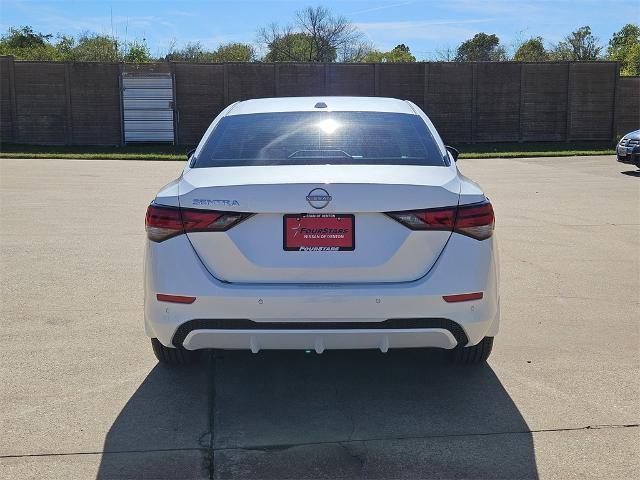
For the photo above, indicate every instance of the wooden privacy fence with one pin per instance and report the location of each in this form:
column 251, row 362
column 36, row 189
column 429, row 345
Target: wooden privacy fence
column 79, row 103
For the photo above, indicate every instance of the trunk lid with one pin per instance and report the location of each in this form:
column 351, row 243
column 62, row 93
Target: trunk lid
column 253, row 251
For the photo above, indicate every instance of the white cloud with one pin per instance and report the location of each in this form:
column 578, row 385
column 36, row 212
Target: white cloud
column 381, row 7
column 387, row 34
column 517, row 8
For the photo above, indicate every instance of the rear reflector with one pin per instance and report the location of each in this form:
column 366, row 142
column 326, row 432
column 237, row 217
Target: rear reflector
column 475, row 220
column 174, row 298
column 162, row 223
column 463, row 297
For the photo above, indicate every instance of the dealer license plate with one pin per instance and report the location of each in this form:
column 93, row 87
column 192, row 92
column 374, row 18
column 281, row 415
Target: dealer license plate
column 308, row 232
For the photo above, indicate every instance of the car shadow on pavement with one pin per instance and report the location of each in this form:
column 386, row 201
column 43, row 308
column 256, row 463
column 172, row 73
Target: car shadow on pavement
column 162, row 431
column 632, row 173
column 348, row 414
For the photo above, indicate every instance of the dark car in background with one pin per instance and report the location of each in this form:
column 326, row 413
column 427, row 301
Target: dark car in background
column 628, row 149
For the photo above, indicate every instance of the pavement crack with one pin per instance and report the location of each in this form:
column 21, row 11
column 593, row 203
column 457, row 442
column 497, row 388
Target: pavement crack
column 275, row 447
column 102, row 452
column 286, row 446
column 608, row 425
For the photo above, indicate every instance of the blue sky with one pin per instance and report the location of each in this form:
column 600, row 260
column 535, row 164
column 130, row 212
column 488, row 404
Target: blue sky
column 426, row 26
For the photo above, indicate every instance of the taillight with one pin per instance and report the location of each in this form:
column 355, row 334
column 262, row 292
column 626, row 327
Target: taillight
column 433, row 219
column 210, row 221
column 475, row 220
column 162, row 223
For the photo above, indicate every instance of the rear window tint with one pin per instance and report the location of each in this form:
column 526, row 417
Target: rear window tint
column 308, row 138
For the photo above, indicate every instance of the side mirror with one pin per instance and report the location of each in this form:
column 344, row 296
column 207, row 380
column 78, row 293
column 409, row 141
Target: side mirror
column 190, row 152
column 453, row 151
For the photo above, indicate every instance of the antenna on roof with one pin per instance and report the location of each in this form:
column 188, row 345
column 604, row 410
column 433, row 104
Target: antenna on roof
column 320, row 105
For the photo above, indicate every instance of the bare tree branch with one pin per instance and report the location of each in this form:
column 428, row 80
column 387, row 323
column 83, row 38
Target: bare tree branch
column 318, row 36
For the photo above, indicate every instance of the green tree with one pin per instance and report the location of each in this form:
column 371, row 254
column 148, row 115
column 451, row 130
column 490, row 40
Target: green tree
column 481, row 48
column 235, row 52
column 531, row 50
column 65, row 46
column 291, row 46
column 399, row 54
column 229, row 52
column 632, row 61
column 25, row 37
column 580, row 45
column 191, row 52
column 25, row 44
column 624, row 47
column 137, row 52
column 91, row 47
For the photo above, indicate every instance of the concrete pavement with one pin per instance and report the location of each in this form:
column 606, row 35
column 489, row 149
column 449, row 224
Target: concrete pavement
column 82, row 395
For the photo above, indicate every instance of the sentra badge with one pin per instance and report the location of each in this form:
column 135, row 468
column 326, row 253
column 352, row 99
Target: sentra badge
column 205, row 202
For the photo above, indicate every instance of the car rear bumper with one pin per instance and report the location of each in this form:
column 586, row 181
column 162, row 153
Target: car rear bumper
column 322, row 316
column 318, row 336
column 318, row 340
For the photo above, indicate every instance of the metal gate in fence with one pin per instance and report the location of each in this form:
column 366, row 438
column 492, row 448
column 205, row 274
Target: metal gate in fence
column 147, row 106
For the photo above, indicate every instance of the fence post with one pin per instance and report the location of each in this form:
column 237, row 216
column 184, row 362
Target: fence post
column 376, row 80
column 12, row 99
column 68, row 127
column 121, row 103
column 474, row 101
column 425, row 94
column 225, row 82
column 326, row 73
column 276, row 80
column 614, row 120
column 568, row 126
column 520, row 135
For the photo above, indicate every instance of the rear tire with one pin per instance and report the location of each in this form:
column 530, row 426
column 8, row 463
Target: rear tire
column 172, row 356
column 474, row 355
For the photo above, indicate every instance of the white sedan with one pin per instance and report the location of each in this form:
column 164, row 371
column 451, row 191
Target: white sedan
column 319, row 223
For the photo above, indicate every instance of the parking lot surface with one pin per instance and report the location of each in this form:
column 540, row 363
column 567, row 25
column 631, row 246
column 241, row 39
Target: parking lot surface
column 82, row 395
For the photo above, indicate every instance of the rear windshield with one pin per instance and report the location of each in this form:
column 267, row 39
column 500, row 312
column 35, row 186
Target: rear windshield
column 320, row 138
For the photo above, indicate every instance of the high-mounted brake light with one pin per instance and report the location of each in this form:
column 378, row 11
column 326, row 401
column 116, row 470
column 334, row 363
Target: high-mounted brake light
column 162, row 223
column 475, row 220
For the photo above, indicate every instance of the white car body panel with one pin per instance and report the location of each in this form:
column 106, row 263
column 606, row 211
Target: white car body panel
column 386, row 252
column 393, row 273
column 173, row 266
column 308, row 104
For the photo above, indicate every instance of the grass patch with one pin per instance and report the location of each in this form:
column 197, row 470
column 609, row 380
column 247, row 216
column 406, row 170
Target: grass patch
column 534, row 149
column 158, row 151
column 178, row 152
